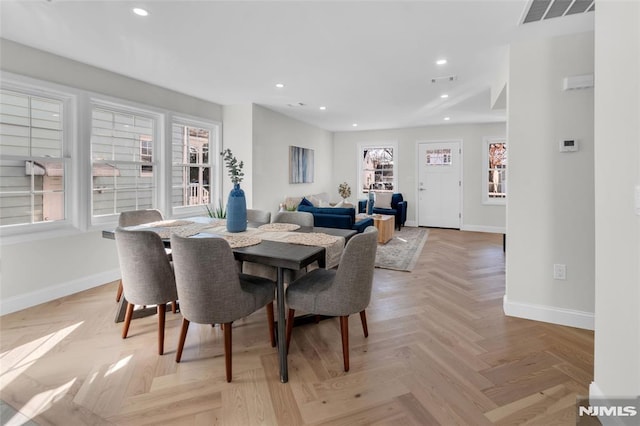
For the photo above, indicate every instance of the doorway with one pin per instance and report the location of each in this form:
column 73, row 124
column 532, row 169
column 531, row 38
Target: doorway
column 440, row 184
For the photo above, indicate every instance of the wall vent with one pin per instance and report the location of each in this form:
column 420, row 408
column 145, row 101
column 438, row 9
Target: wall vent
column 547, row 9
column 577, row 82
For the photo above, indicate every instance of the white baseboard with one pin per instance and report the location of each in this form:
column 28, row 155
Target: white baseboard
column 23, row 301
column 551, row 314
column 597, row 397
column 483, row 228
column 411, row 223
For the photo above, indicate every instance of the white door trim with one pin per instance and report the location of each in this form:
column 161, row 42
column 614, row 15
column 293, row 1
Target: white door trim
column 417, row 176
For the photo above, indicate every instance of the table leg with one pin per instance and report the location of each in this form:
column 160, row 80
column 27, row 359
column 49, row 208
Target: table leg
column 282, row 343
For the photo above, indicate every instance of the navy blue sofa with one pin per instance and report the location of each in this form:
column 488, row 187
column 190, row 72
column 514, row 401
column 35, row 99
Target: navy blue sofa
column 334, row 217
column 398, row 209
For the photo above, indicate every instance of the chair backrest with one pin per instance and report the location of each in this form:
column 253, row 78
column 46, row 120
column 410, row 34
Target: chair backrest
column 298, row 218
column 258, row 216
column 354, row 278
column 147, row 275
column 208, row 282
column 138, row 217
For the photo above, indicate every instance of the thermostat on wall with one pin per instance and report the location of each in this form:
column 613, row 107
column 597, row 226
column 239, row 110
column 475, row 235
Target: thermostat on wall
column 568, row 145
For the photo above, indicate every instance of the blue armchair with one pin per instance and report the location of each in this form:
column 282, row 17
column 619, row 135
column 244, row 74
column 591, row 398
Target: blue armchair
column 398, row 209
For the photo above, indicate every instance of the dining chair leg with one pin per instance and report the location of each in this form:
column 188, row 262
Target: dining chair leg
column 183, row 337
column 119, row 292
column 363, row 319
column 127, row 320
column 174, row 307
column 227, row 350
column 270, row 321
column 344, row 330
column 289, row 326
column 162, row 311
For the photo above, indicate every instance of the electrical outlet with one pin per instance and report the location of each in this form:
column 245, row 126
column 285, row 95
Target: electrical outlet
column 559, row 271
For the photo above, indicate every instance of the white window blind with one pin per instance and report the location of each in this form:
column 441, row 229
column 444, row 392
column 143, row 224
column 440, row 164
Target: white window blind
column 32, row 158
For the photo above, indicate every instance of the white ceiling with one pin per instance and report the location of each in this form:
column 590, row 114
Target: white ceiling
column 369, row 63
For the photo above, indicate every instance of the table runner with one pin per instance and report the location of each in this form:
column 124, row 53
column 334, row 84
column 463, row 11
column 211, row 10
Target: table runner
column 333, row 245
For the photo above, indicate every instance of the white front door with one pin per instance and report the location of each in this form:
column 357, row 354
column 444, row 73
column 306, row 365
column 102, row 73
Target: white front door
column 439, row 184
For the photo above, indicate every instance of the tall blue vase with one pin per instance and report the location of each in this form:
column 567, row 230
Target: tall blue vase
column 236, row 210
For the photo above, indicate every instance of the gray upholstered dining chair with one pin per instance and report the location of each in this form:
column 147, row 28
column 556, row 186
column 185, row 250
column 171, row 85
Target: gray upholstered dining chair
column 132, row 218
column 338, row 292
column 258, row 216
column 298, row 218
column 147, row 276
column 211, row 290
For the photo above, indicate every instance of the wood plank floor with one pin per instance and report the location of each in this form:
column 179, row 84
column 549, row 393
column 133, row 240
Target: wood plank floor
column 440, row 352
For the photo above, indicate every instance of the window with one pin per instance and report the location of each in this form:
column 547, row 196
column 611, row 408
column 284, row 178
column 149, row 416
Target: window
column 33, row 157
column 495, row 171
column 146, row 156
column 192, row 179
column 122, row 156
column 377, row 169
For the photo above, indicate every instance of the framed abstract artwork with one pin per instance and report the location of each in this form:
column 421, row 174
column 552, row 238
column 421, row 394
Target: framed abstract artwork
column 300, row 165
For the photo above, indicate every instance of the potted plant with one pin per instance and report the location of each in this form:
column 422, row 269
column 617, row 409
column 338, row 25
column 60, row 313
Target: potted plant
column 237, row 203
column 344, row 190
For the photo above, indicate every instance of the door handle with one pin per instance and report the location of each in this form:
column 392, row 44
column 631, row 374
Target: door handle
column 422, row 189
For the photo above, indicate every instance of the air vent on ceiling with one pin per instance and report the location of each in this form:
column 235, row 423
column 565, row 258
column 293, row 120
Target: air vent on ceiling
column 547, row 9
column 446, row 78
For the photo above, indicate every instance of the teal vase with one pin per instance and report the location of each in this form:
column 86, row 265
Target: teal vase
column 236, row 210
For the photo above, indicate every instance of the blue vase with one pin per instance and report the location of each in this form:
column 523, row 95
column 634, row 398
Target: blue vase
column 371, row 202
column 236, row 210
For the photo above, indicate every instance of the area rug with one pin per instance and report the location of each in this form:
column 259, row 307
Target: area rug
column 403, row 250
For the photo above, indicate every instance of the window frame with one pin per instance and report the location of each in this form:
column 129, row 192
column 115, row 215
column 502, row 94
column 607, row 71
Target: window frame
column 499, row 201
column 376, row 145
column 215, row 162
column 69, row 157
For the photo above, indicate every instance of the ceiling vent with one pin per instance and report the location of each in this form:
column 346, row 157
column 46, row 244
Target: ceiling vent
column 445, row 79
column 547, row 9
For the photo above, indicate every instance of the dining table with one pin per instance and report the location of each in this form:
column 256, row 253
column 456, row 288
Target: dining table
column 279, row 253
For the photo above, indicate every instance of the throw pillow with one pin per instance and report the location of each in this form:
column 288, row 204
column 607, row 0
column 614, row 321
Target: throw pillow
column 383, row 200
column 339, row 204
column 306, row 202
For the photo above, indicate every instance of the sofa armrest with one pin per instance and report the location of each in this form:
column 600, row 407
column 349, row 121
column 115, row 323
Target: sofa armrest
column 362, row 206
column 402, row 212
column 361, row 225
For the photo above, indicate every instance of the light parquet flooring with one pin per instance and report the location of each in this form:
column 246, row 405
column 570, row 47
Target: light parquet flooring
column 440, row 352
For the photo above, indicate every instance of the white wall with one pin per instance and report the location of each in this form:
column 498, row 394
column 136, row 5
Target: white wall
column 617, row 172
column 475, row 215
column 237, row 135
column 273, row 133
column 38, row 271
column 550, row 212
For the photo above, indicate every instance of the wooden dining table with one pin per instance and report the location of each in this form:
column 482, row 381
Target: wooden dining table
column 279, row 254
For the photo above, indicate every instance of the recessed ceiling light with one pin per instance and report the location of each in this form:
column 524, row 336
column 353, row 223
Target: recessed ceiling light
column 444, row 96
column 140, row 12
column 322, row 108
column 279, row 85
column 355, row 124
column 447, row 118
column 441, row 61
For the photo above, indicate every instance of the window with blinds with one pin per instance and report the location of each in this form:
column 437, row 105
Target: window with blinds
column 33, row 163
column 123, row 160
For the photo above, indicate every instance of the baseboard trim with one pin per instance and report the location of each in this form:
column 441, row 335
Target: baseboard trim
column 550, row 314
column 23, row 301
column 483, row 228
column 597, row 397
